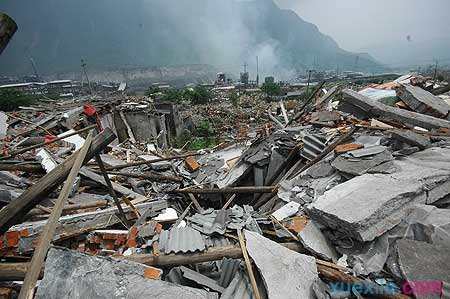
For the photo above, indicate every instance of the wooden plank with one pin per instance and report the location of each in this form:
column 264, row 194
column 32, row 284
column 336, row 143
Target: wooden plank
column 113, row 194
column 248, row 265
column 49, row 230
column 29, row 148
column 231, row 190
column 136, row 197
column 145, row 162
column 16, row 210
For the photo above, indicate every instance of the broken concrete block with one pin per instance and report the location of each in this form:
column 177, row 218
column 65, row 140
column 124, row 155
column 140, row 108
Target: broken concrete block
column 355, row 101
column 315, row 242
column 287, row 210
column 358, row 166
column 412, row 138
column 369, row 205
column 423, row 101
column 425, row 267
column 70, row 274
column 286, row 273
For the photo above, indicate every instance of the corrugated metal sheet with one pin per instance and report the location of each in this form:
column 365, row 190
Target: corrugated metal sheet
column 205, row 223
column 183, row 240
column 313, row 146
column 238, row 218
column 217, row 241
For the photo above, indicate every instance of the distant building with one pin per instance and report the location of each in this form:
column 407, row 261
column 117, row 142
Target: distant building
column 244, row 78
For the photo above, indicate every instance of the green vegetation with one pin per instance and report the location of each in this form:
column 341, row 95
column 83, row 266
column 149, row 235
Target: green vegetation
column 204, row 129
column 197, row 95
column 173, row 95
column 202, row 137
column 234, row 99
column 152, row 90
column 11, row 99
column 271, row 89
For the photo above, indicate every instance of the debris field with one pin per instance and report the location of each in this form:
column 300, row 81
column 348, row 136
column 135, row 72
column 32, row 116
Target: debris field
column 338, row 196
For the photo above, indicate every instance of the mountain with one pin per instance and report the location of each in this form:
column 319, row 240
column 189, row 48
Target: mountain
column 142, row 33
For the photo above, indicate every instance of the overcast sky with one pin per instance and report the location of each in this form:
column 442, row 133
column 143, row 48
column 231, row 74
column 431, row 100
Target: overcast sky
column 362, row 24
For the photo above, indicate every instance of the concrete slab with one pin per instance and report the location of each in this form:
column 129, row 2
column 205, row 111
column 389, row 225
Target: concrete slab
column 369, row 205
column 315, row 242
column 359, row 166
column 423, row 101
column 70, row 274
column 286, row 273
column 425, row 267
column 412, row 138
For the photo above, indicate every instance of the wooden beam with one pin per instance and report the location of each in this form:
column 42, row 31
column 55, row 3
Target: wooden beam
column 248, row 265
column 148, row 176
column 151, row 161
column 111, row 191
column 16, row 210
column 212, row 254
column 29, row 148
column 26, row 167
column 227, row 190
column 40, row 252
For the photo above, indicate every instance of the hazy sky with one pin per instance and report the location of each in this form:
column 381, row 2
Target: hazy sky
column 362, row 24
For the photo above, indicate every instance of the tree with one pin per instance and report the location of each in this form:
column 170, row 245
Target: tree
column 198, row 95
column 11, row 99
column 271, row 89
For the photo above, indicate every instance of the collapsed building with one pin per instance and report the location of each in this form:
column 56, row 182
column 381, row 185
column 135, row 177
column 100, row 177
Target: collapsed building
column 342, row 196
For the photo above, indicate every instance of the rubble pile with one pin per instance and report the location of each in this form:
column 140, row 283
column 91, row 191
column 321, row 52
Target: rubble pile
column 340, row 196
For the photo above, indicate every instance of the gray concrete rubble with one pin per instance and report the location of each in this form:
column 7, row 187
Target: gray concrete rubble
column 425, row 267
column 364, row 107
column 73, row 225
column 383, row 199
column 277, row 265
column 70, row 274
column 423, row 223
column 423, row 101
column 317, row 243
column 367, row 162
column 412, row 138
column 325, row 183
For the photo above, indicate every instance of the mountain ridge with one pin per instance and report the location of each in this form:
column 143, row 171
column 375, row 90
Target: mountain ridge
column 224, row 34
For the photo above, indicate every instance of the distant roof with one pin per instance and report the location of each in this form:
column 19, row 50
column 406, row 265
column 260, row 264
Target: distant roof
column 16, row 85
column 122, row 86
